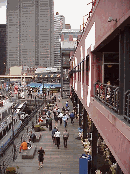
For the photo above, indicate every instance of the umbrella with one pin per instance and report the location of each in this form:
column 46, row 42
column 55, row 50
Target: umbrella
column 60, row 115
column 64, row 118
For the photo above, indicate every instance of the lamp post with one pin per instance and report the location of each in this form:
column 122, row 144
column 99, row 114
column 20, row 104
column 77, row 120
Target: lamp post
column 14, row 149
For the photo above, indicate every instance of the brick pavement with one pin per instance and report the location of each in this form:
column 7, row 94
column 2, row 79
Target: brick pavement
column 63, row 160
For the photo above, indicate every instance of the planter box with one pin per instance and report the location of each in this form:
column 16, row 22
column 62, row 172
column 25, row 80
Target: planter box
column 37, row 129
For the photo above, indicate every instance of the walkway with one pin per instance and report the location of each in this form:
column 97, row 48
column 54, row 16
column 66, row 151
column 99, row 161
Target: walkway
column 56, row 161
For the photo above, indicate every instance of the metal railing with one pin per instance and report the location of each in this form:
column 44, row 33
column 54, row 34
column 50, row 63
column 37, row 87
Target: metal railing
column 13, row 156
column 127, row 106
column 107, row 94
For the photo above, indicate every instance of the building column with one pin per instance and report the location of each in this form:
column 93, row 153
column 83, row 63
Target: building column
column 62, row 75
column 84, row 124
column 94, row 148
column 77, row 107
column 121, row 72
column 80, row 112
column 118, row 169
column 126, row 59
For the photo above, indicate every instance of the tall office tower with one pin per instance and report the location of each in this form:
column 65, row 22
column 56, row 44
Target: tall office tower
column 2, row 49
column 30, row 33
column 59, row 24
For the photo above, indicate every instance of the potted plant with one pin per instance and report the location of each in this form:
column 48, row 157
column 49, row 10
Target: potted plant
column 37, row 128
column 42, row 128
column 10, row 170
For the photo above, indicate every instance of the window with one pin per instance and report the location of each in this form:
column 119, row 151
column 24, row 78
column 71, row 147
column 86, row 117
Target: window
column 78, row 72
column 83, row 71
column 87, row 69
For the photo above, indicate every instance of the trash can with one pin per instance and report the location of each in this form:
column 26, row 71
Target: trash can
column 83, row 165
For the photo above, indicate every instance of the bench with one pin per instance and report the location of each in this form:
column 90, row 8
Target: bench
column 29, row 154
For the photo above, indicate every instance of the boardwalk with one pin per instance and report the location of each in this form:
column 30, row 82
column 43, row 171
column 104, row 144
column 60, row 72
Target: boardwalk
column 63, row 160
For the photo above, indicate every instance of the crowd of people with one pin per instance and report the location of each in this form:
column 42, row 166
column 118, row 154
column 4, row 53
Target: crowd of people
column 57, row 114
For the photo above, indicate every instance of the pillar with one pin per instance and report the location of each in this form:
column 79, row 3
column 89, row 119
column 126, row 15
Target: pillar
column 84, row 124
column 62, row 75
column 118, row 169
column 94, row 148
column 121, row 72
column 80, row 112
column 126, row 59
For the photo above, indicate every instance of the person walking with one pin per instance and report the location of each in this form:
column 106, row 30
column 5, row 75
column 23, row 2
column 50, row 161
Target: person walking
column 63, row 109
column 66, row 104
column 41, row 154
column 50, row 123
column 57, row 135
column 72, row 117
column 65, row 137
column 53, row 132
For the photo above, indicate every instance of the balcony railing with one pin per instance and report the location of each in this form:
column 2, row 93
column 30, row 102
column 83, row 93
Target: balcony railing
column 107, row 94
column 127, row 106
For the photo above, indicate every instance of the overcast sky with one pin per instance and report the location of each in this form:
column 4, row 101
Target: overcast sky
column 72, row 10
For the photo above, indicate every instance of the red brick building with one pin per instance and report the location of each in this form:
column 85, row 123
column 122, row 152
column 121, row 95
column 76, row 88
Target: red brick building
column 103, row 54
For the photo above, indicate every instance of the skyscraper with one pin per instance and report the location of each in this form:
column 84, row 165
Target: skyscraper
column 2, row 49
column 59, row 24
column 30, row 32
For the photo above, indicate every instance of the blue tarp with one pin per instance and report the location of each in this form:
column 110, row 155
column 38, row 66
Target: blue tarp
column 48, row 86
column 34, row 85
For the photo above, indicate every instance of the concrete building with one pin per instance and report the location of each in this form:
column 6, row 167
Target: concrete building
column 30, row 27
column 67, row 26
column 100, row 82
column 59, row 24
column 2, row 49
column 69, row 39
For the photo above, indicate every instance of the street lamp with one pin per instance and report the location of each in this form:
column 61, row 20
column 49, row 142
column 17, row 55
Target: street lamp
column 12, row 109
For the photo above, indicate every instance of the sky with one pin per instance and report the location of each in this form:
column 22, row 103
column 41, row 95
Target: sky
column 72, row 10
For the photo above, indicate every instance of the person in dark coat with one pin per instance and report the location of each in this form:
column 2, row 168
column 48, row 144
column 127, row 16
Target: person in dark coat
column 50, row 123
column 41, row 154
column 72, row 117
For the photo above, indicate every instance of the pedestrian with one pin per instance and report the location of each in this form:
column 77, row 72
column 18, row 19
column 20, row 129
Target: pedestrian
column 32, row 137
column 53, row 132
column 23, row 146
column 65, row 137
column 63, row 109
column 72, row 117
column 58, row 111
column 41, row 154
column 59, row 98
column 66, row 104
column 50, row 123
column 57, row 136
column 47, row 118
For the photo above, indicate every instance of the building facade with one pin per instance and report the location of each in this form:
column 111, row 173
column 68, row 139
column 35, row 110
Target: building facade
column 68, row 46
column 59, row 24
column 2, row 49
column 30, row 27
column 100, row 80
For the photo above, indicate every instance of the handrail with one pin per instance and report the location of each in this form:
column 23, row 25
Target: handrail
column 107, row 94
column 126, row 112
